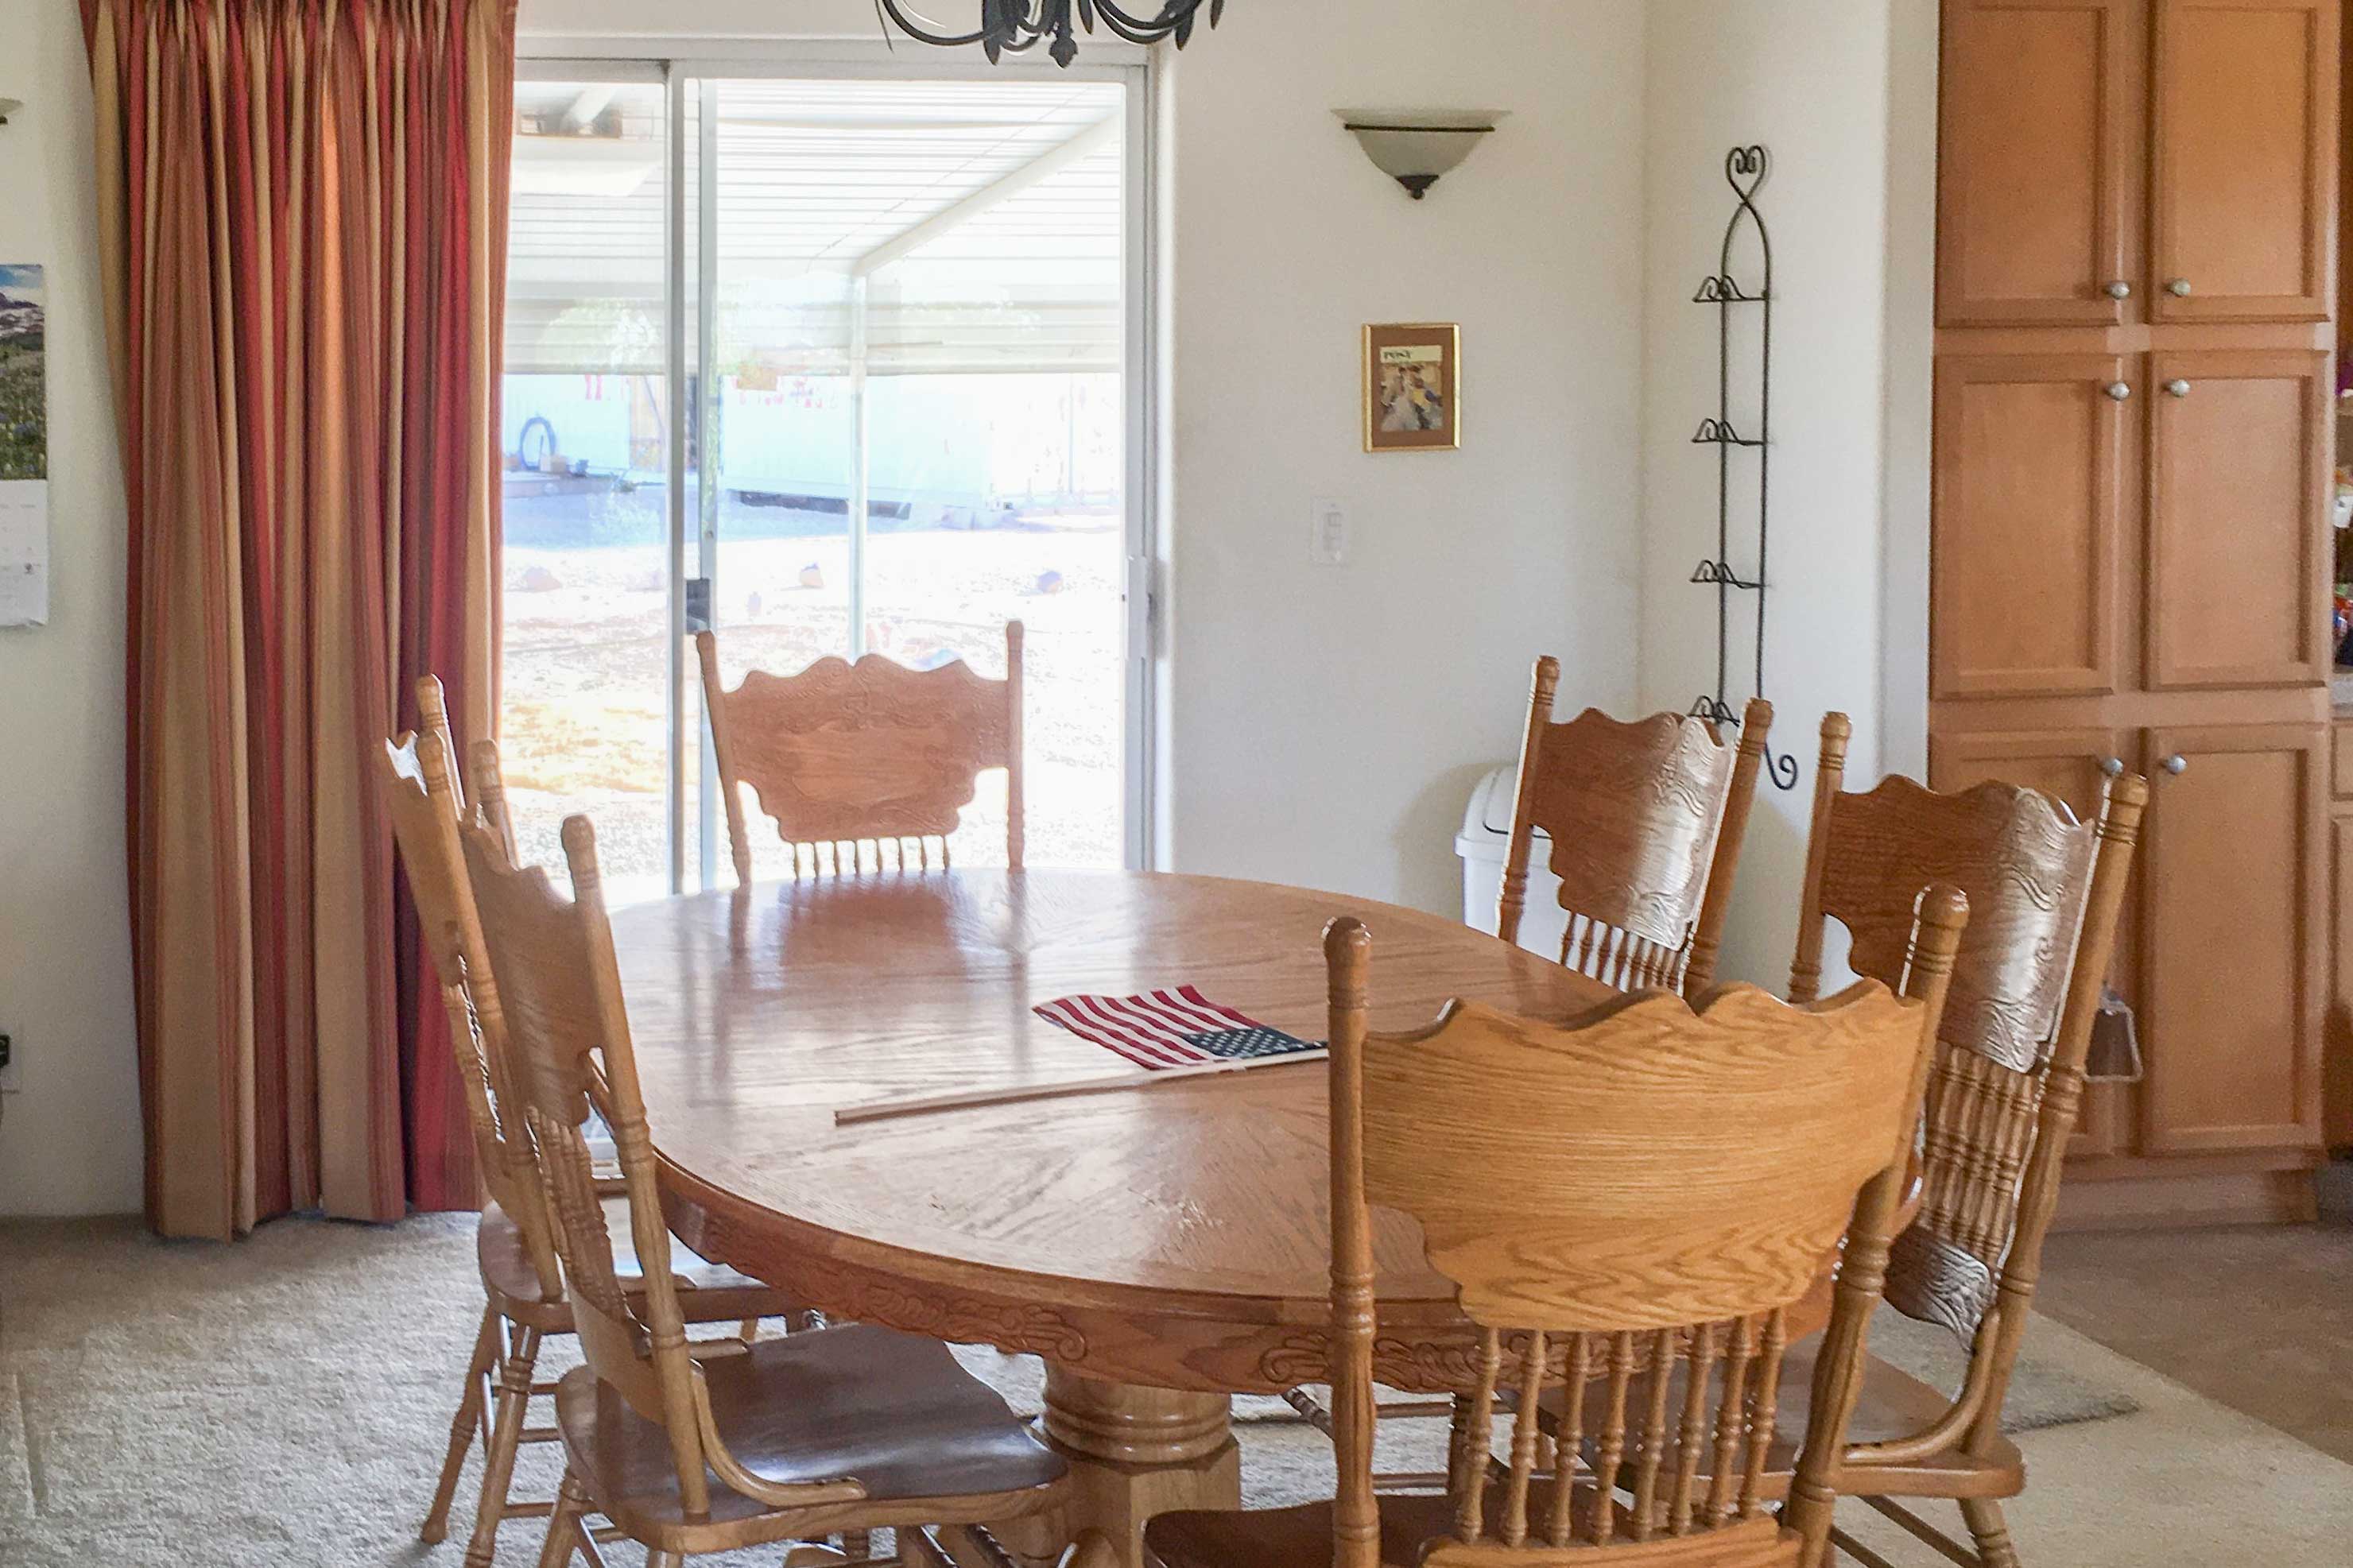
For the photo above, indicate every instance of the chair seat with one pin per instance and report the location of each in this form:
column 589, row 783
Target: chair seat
column 892, row 1411
column 712, row 1292
column 1892, row 1405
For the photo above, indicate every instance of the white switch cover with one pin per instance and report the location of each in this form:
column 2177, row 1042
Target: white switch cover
column 1327, row 536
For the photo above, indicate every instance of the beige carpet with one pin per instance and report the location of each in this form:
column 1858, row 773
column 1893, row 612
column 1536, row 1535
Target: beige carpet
column 282, row 1404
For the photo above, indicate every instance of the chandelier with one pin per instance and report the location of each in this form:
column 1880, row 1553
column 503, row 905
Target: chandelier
column 1011, row 27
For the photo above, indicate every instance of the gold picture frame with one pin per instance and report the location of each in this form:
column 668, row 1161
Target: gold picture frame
column 1413, row 386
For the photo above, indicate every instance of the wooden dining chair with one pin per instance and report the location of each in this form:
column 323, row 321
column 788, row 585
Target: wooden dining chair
column 858, row 763
column 2044, row 891
column 1649, row 1185
column 1646, row 821
column 514, row 1247
column 692, row 1449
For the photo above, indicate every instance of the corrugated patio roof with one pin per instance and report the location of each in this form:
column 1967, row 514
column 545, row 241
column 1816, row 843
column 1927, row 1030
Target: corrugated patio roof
column 986, row 214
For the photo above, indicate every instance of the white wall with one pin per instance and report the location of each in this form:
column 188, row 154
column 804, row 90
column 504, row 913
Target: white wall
column 1912, row 58
column 69, row 1140
column 1328, row 722
column 1810, row 78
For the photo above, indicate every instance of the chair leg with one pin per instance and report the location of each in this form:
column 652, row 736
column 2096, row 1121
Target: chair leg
column 563, row 1525
column 499, row 1457
column 748, row 1330
column 461, row 1427
column 1990, row 1531
column 664, row 1560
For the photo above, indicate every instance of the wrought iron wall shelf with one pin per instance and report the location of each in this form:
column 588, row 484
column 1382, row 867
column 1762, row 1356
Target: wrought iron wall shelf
column 1745, row 169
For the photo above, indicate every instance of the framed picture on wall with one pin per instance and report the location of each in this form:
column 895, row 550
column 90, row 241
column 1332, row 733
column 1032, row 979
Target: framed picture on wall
column 1413, row 388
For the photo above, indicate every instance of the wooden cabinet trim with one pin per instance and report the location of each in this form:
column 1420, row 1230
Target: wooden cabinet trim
column 2193, row 708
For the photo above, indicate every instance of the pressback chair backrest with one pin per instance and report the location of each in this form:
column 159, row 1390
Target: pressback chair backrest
column 1646, row 1185
column 486, row 782
column 1646, row 821
column 422, row 795
column 569, row 1030
column 857, row 763
column 2044, row 891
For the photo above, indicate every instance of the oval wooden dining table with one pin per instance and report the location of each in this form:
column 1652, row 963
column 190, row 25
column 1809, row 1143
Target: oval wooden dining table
column 1161, row 1247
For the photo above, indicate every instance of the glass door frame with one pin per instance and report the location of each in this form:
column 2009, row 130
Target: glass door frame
column 685, row 67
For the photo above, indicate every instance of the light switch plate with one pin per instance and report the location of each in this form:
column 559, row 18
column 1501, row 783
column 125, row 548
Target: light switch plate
column 1328, row 534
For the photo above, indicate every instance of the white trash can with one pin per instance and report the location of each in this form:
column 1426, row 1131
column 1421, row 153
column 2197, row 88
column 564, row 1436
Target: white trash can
column 1485, row 838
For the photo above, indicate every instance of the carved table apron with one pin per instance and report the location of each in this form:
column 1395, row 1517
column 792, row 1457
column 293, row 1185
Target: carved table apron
column 1160, row 1247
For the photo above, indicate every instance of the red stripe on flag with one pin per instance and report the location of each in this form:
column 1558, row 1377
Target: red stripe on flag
column 1170, row 1027
column 1152, row 1030
column 1233, row 1020
column 1111, row 1029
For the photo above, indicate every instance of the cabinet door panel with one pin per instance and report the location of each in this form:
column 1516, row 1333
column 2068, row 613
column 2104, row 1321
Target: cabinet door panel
column 2028, row 497
column 2066, row 763
column 2237, row 529
column 2232, row 903
column 2243, row 179
column 2039, row 143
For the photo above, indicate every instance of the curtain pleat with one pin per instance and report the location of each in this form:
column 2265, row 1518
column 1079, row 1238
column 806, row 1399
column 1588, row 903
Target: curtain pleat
column 302, row 225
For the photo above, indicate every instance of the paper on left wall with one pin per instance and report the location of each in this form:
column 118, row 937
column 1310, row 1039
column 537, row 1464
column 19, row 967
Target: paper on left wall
column 24, row 447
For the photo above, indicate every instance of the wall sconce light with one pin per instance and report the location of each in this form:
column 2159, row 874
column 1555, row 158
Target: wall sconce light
column 1414, row 146
column 9, row 106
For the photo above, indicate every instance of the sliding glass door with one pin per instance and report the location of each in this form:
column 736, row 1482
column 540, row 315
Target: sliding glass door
column 588, row 681
column 837, row 365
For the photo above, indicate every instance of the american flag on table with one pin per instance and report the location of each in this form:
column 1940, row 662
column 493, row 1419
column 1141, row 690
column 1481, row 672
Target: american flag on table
column 1173, row 1028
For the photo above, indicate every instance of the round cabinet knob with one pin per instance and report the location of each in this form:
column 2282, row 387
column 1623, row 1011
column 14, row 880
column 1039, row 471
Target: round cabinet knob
column 2112, row 767
column 2178, row 388
column 2119, row 290
column 2120, row 390
column 2176, row 763
column 2178, row 286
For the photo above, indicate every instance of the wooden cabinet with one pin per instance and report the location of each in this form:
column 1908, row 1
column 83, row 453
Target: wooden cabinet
column 2238, row 474
column 2038, row 199
column 2234, row 919
column 2129, row 550
column 2035, row 479
column 2029, row 468
column 2242, row 148
column 2104, row 162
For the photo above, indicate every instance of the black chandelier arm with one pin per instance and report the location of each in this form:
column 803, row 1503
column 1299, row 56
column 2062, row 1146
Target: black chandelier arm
column 1015, row 26
column 890, row 13
column 1176, row 18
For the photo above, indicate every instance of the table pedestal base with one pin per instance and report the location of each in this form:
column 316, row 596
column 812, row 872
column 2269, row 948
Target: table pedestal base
column 1135, row 1452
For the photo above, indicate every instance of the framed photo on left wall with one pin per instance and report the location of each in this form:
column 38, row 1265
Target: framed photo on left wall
column 1413, row 387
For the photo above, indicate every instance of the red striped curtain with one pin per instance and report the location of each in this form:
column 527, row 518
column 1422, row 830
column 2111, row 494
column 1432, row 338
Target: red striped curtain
column 303, row 222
